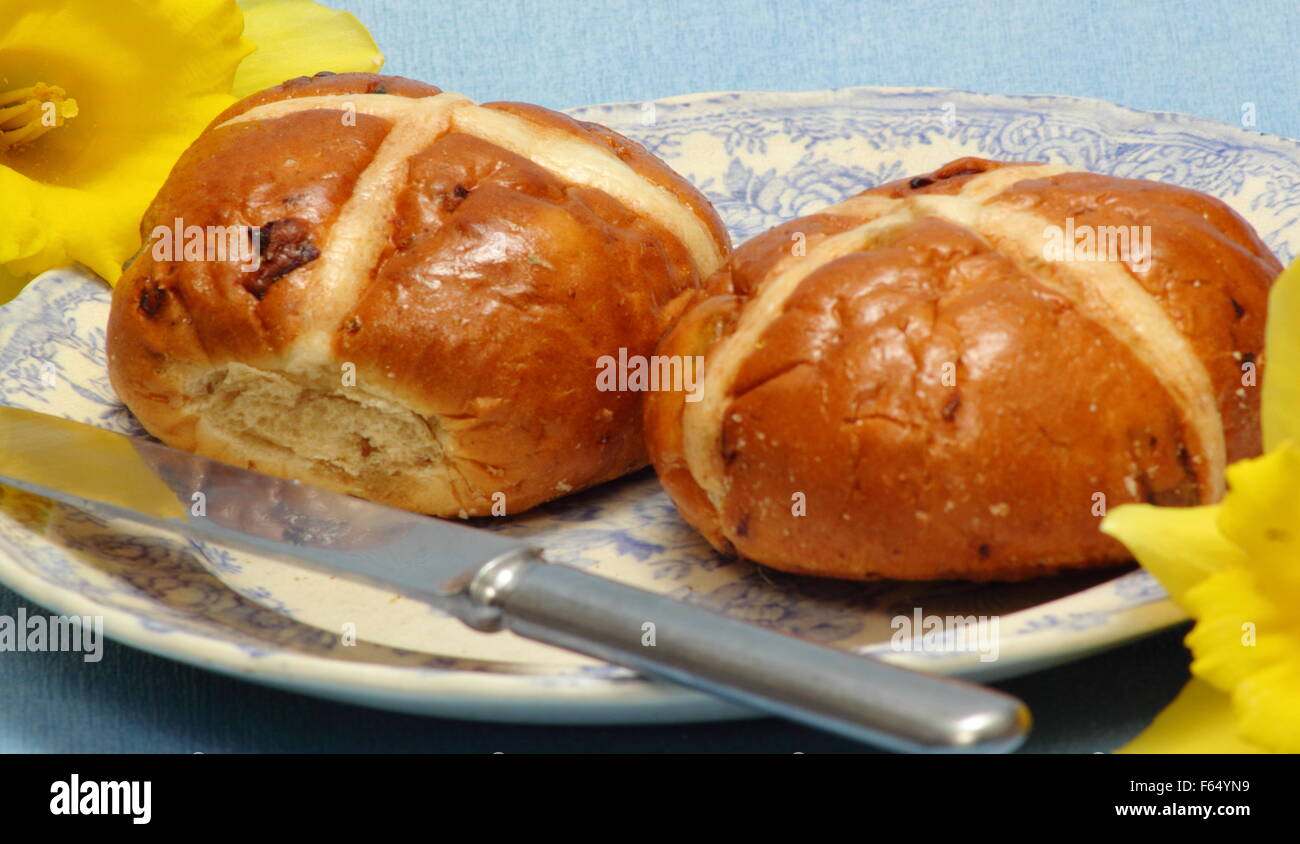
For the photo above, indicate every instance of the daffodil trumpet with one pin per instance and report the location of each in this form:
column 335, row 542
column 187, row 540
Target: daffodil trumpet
column 28, row 113
column 82, row 153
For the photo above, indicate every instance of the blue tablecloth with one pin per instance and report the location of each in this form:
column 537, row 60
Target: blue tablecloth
column 1205, row 57
column 1217, row 58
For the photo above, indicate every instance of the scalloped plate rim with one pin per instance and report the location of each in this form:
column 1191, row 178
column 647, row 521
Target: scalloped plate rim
column 1292, row 144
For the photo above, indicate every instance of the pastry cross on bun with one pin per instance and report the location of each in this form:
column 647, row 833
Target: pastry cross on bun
column 435, row 281
column 910, row 384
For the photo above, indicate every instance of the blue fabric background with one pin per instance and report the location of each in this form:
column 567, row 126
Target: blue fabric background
column 1208, row 57
column 1205, row 57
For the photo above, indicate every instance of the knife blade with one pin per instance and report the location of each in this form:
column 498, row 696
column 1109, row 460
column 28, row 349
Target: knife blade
column 492, row 582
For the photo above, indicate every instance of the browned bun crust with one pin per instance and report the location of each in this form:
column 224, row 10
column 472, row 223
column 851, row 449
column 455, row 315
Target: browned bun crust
column 466, row 265
column 946, row 398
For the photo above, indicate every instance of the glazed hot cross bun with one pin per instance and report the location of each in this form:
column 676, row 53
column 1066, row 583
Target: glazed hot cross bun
column 431, row 286
column 938, row 378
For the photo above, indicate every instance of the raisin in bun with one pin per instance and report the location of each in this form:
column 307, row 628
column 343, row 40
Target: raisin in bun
column 435, row 283
column 911, row 385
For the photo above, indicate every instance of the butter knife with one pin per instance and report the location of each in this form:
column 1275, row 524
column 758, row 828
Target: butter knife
column 492, row 582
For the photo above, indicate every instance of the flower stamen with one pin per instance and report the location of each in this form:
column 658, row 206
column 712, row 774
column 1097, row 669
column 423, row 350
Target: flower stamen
column 28, row 113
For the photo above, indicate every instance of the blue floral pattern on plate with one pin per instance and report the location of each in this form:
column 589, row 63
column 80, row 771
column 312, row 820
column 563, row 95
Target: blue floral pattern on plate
column 762, row 159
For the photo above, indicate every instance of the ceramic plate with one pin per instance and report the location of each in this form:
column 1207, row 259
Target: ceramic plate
column 762, row 159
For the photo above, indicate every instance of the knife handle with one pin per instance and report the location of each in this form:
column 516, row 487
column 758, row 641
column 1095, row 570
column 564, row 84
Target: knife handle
column 856, row 696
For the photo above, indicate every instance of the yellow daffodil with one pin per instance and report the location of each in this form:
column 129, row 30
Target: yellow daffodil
column 98, row 100
column 1235, row 568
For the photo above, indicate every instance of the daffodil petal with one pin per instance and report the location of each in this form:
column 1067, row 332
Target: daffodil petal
column 10, row 284
column 301, row 37
column 1200, row 720
column 1238, row 631
column 1280, row 412
column 78, row 226
column 1261, row 515
column 1181, row 546
column 1268, row 707
column 20, row 233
